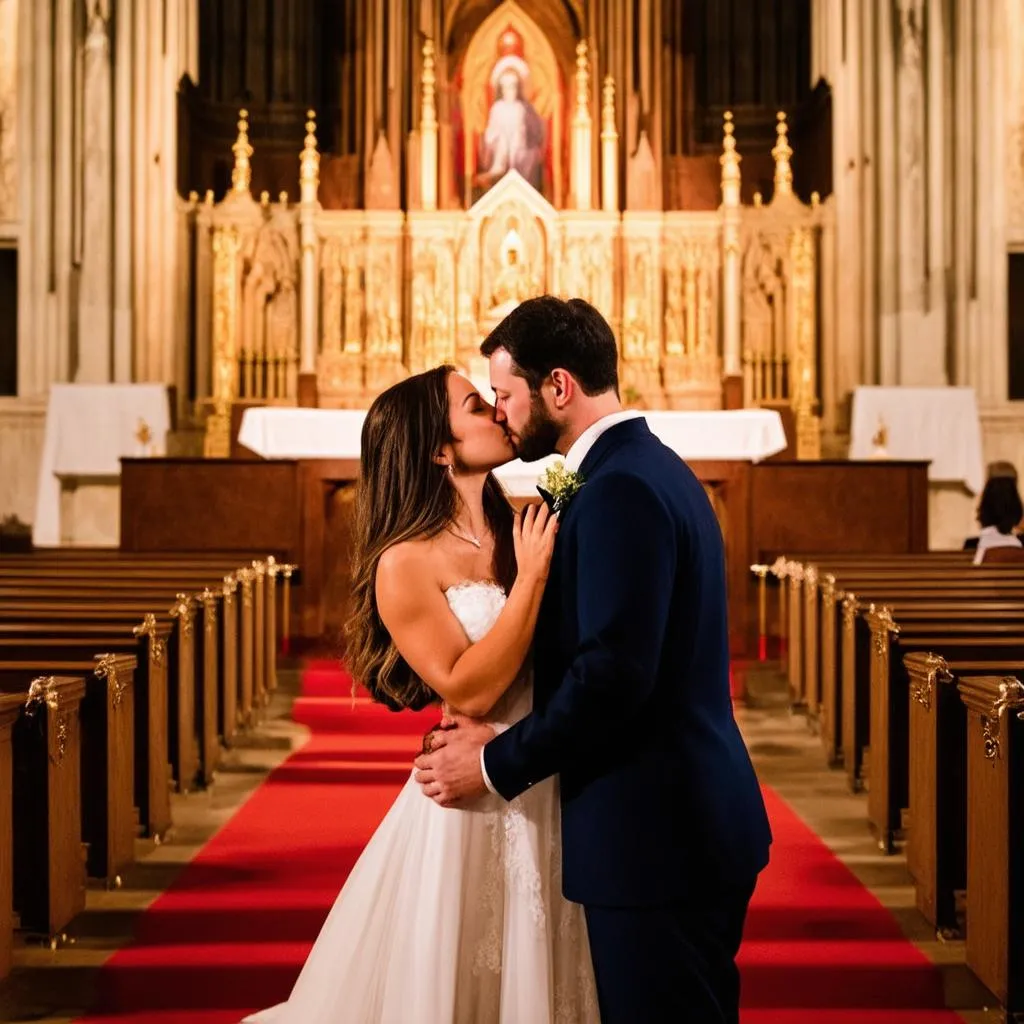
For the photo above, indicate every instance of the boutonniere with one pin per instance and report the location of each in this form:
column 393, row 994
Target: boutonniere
column 559, row 485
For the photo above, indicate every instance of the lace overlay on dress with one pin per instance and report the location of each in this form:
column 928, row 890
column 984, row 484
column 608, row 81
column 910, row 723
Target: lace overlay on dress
column 454, row 917
column 517, row 873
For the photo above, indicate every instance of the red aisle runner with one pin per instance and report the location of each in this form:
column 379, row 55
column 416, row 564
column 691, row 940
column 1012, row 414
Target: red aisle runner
column 231, row 934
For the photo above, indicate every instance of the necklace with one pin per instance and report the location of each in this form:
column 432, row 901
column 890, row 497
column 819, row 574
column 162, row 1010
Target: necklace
column 469, row 538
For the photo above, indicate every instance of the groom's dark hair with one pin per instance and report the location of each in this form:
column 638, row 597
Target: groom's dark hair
column 548, row 333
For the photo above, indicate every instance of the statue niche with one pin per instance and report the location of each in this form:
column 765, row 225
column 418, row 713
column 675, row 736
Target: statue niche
column 513, row 224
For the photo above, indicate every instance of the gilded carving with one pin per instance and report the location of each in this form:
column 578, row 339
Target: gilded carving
column 269, row 340
column 332, row 278
column 354, row 292
column 513, row 257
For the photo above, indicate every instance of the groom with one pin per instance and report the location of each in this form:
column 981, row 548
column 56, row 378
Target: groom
column 664, row 830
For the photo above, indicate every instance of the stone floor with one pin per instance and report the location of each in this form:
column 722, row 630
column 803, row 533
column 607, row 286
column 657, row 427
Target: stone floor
column 54, row 986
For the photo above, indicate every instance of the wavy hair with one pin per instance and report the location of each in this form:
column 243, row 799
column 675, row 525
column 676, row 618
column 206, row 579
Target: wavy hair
column 403, row 494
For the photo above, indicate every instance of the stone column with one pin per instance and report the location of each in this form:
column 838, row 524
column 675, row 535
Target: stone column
column 122, row 211
column 991, row 324
column 582, row 141
column 62, row 322
column 428, row 131
column 95, row 287
column 309, row 183
column 854, row 328
column 8, row 112
column 964, row 268
column 732, row 367
column 921, row 359
column 609, row 149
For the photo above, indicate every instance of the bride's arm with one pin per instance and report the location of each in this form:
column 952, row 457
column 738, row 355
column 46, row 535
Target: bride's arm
column 469, row 677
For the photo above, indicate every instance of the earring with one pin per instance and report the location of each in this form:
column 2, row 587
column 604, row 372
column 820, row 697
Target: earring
column 451, row 469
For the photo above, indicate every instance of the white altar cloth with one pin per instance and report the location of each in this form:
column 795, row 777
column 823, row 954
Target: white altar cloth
column 89, row 427
column 937, row 424
column 746, row 435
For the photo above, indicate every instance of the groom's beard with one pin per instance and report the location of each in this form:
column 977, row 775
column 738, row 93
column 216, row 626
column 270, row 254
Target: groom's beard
column 540, row 434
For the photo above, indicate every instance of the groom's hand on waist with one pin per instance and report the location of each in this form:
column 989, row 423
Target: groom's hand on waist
column 449, row 772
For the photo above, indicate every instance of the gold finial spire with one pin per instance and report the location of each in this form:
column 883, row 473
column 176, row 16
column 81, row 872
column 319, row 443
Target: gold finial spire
column 608, row 108
column 730, row 161
column 582, row 132
column 782, row 152
column 582, row 81
column 241, row 176
column 428, row 115
column 428, row 130
column 309, row 162
column 609, row 149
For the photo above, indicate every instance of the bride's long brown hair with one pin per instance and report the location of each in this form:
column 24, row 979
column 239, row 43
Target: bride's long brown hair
column 402, row 494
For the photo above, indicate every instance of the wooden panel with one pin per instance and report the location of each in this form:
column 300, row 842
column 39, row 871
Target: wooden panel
column 921, row 831
column 728, row 484
column 10, row 708
column 49, row 862
column 840, row 507
column 988, row 852
column 302, row 512
column 210, row 505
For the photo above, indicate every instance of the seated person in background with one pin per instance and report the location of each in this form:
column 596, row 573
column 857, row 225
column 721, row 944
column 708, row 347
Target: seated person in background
column 999, row 512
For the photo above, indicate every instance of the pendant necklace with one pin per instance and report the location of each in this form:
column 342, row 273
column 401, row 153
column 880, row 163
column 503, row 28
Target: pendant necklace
column 469, row 538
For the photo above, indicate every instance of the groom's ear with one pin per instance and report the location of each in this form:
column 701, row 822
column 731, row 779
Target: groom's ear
column 563, row 387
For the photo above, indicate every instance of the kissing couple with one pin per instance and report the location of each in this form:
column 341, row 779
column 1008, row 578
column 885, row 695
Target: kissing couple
column 580, row 840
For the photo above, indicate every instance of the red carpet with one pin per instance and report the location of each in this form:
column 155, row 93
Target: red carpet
column 231, row 934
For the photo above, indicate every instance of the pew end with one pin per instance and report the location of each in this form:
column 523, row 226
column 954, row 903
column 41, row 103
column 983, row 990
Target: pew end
column 49, row 857
column 995, row 835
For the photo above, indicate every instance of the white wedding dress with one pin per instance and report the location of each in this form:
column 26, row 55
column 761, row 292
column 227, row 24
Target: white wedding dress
column 454, row 917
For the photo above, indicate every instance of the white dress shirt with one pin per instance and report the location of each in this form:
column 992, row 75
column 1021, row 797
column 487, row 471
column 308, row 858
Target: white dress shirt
column 574, row 457
column 990, row 537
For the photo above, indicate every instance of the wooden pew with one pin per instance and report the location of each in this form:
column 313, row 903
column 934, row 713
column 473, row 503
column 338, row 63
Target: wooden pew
column 838, row 619
column 184, row 607
column 889, row 735
column 855, row 651
column 187, row 676
column 937, row 814
column 119, row 574
column 995, row 839
column 49, row 860
column 236, row 666
column 819, row 597
column 39, row 609
column 11, row 705
column 841, row 657
column 787, row 569
column 109, row 820
column 152, row 770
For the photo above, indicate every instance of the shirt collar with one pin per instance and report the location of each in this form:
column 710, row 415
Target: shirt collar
column 581, row 446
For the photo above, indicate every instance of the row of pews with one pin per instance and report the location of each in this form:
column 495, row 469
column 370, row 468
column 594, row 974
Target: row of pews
column 122, row 679
column 910, row 668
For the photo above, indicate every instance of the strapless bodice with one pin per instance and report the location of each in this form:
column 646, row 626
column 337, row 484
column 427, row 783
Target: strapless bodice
column 477, row 605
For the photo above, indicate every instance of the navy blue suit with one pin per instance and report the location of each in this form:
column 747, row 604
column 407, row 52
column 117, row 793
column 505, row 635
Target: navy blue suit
column 664, row 828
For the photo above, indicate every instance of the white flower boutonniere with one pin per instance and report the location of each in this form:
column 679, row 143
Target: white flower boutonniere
column 559, row 485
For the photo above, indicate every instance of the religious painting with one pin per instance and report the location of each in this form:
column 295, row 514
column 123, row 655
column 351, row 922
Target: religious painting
column 515, row 135
column 509, row 109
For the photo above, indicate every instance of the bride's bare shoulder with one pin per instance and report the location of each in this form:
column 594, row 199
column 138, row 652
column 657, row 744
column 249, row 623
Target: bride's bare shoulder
column 408, row 562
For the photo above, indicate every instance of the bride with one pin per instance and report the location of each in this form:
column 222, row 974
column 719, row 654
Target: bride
column 448, row 917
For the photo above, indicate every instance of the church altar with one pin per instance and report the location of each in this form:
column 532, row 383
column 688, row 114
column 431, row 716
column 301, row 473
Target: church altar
column 89, row 427
column 744, row 435
column 941, row 425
